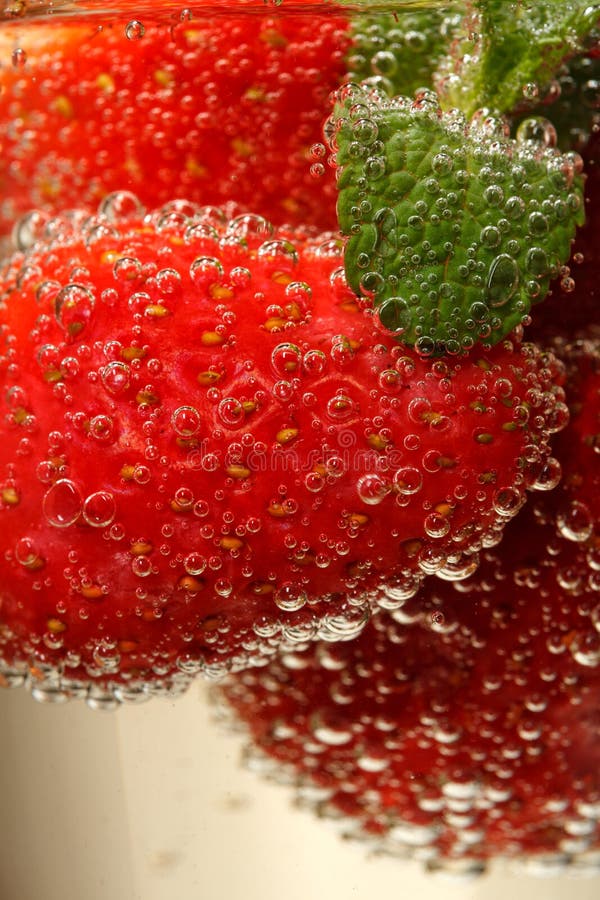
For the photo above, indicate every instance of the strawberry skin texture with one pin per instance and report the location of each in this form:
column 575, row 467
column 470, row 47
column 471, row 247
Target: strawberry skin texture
column 209, row 447
column 212, row 109
column 465, row 725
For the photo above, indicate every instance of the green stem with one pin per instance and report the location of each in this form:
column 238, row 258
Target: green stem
column 507, row 50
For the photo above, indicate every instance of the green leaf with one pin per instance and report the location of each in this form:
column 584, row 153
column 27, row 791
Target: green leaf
column 454, row 229
column 506, row 49
column 398, row 51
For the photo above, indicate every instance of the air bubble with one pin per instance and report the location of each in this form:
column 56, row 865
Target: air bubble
column 490, row 236
column 330, row 733
column 575, row 523
column 223, row 587
column 168, row 282
column 141, row 474
column 121, row 206
column 116, row 377
column 442, row 163
column 373, row 489
column 531, row 91
column 279, row 254
column 206, row 270
column 549, row 477
column 102, row 428
column 538, row 224
column 507, row 502
column 18, row 58
column 515, row 207
column 290, row 597
column 386, row 223
column 536, row 261
column 586, row 650
column 250, row 227
column 185, row 421
column 340, row 408
column 436, row 525
column 408, row 480
column 231, row 412
column 384, row 63
column 62, row 503
column 412, row 835
column 29, row 229
column 365, row 130
column 99, row 509
column 375, row 167
column 314, row 362
column 503, row 280
column 590, row 93
column 395, row 315
column 286, row 359
column 141, row 566
column 134, row 30
column 459, row 569
column 314, row 482
column 537, row 130
column 74, row 308
column 194, row 564
column 344, row 627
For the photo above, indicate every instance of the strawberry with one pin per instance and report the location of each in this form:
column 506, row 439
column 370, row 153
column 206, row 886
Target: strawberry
column 210, row 108
column 465, row 725
column 210, row 447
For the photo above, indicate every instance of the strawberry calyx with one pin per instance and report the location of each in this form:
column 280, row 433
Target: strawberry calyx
column 454, row 229
column 504, row 51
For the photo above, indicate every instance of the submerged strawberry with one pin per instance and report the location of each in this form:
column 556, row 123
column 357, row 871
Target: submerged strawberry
column 465, row 726
column 212, row 108
column 209, row 448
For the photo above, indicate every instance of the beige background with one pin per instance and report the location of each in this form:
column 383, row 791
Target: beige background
column 149, row 803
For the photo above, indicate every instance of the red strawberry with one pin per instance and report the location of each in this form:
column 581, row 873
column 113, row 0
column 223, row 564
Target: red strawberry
column 469, row 727
column 209, row 448
column 212, row 108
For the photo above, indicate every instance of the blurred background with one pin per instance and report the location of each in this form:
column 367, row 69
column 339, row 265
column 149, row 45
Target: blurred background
column 151, row 803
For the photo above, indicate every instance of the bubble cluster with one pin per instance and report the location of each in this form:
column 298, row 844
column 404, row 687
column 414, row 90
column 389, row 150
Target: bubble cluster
column 211, row 450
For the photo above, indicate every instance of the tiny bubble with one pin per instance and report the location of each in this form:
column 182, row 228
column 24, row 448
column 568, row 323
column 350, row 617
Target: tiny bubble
column 134, row 30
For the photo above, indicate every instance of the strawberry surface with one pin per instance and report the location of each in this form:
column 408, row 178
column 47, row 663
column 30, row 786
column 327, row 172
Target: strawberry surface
column 212, row 108
column 465, row 725
column 210, row 447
